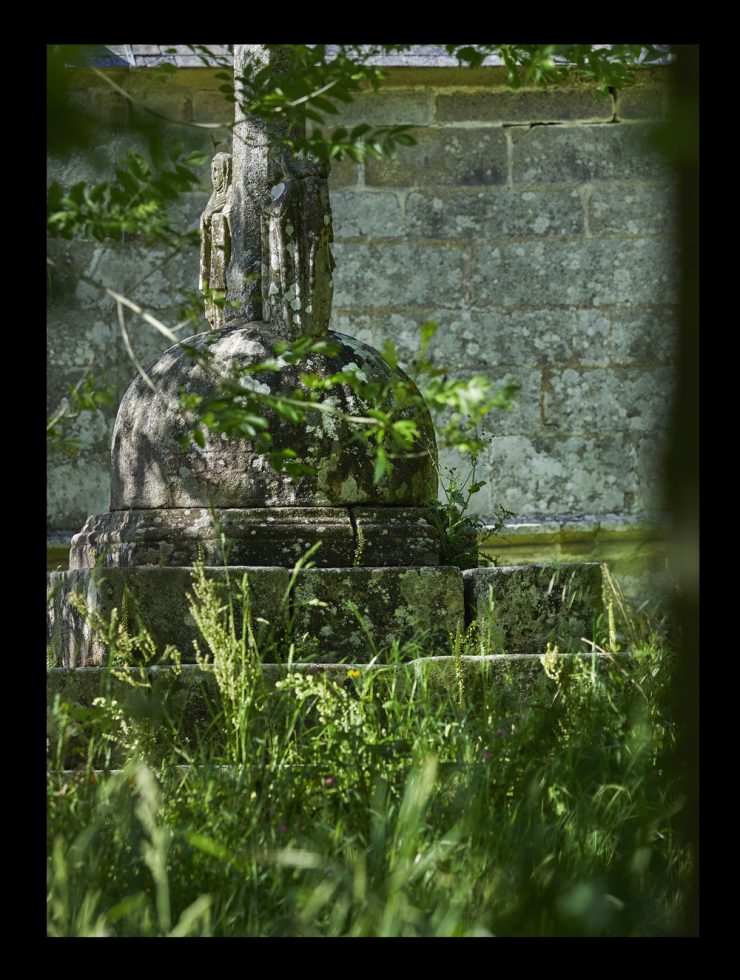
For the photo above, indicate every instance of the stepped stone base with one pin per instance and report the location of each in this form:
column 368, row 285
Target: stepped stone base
column 347, row 537
column 329, row 613
column 525, row 607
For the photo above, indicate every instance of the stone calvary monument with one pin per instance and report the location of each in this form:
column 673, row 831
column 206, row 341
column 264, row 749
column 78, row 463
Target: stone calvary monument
column 266, row 276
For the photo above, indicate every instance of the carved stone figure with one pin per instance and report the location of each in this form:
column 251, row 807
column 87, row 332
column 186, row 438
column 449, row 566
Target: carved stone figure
column 215, row 247
column 297, row 285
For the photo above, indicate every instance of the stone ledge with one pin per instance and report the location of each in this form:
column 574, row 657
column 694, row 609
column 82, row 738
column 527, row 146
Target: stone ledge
column 83, row 683
column 542, row 532
column 522, row 608
column 590, row 527
column 189, row 695
column 330, row 614
column 257, row 536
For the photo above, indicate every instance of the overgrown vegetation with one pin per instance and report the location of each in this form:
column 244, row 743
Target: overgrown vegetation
column 393, row 800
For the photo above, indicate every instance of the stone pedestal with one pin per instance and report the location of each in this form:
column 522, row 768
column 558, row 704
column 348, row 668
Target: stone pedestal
column 221, row 497
column 331, row 614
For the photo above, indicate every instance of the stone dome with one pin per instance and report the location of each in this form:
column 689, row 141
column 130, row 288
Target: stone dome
column 153, row 465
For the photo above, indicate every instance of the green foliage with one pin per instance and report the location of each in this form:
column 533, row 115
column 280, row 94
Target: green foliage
column 305, row 83
column 135, row 203
column 388, row 413
column 307, row 87
column 459, row 405
column 384, row 801
column 461, row 533
column 608, row 66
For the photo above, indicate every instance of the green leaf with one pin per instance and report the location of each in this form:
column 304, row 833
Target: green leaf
column 390, row 354
column 381, row 465
column 324, row 105
column 208, row 846
column 176, row 149
column 138, row 166
column 428, row 330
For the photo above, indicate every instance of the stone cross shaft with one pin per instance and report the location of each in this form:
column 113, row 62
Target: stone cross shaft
column 267, row 229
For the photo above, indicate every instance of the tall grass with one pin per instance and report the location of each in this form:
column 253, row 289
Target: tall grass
column 376, row 803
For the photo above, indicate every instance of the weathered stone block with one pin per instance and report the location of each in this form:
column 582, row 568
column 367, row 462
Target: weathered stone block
column 153, row 466
column 189, row 697
column 74, row 485
column 93, row 164
column 396, row 275
column 385, row 109
column 557, row 474
column 257, row 537
column 641, row 270
column 395, row 604
column 516, row 680
column 158, row 597
column 563, row 155
column 388, row 536
column 496, row 212
column 361, row 326
column 148, row 343
column 650, row 452
column 525, row 607
column 456, row 466
column 126, row 269
column 362, row 214
column 596, row 399
column 524, row 414
column 642, row 102
column 643, row 335
column 185, row 215
column 537, row 105
column 515, row 338
column 235, row 536
column 73, row 341
column 344, row 173
column 208, row 106
column 589, row 332
column 93, row 429
column 452, row 156
column 109, row 109
column 637, row 209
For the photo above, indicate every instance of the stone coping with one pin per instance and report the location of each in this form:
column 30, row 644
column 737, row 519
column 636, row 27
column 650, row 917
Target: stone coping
column 180, row 55
column 568, row 529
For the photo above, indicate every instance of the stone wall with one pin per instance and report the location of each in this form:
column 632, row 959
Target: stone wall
column 535, row 227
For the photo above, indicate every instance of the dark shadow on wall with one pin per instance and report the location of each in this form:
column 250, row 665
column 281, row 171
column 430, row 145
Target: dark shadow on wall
column 682, row 465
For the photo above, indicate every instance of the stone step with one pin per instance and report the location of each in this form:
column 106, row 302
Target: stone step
column 189, row 697
column 338, row 613
column 190, row 685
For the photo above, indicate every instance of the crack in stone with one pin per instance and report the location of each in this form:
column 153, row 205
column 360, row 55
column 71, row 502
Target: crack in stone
column 355, row 534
